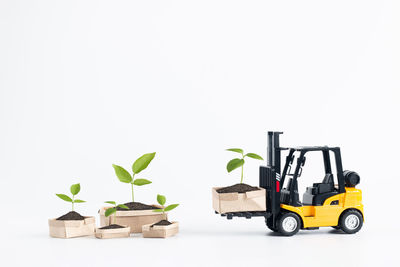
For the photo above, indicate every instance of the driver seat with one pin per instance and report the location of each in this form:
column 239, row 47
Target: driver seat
column 316, row 195
column 285, row 194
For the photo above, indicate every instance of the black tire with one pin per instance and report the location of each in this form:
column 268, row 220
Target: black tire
column 268, row 222
column 351, row 221
column 288, row 224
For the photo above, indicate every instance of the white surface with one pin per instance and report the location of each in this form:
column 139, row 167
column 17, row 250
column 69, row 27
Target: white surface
column 85, row 84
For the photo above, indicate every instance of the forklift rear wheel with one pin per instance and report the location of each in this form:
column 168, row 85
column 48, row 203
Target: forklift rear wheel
column 351, row 221
column 288, row 224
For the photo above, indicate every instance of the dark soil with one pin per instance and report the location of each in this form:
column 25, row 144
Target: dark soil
column 112, row 226
column 163, row 222
column 72, row 215
column 137, row 206
column 238, row 188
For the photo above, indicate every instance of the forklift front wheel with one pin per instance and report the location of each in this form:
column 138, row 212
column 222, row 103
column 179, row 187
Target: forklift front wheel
column 288, row 224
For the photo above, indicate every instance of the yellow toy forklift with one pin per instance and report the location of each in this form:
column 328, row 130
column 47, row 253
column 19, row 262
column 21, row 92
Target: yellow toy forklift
column 334, row 201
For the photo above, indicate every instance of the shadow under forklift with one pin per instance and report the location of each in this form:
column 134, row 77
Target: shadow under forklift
column 327, row 203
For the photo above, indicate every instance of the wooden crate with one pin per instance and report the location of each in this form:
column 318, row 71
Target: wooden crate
column 236, row 202
column 71, row 228
column 113, row 233
column 135, row 219
column 160, row 231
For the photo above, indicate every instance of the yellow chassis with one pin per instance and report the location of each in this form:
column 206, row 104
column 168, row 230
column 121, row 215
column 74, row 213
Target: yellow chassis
column 327, row 214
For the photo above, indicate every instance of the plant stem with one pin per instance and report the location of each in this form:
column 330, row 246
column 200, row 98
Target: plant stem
column 73, row 203
column 133, row 177
column 132, row 192
column 115, row 215
column 241, row 178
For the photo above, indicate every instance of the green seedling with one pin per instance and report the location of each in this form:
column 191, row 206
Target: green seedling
column 113, row 210
column 239, row 162
column 139, row 165
column 75, row 188
column 161, row 200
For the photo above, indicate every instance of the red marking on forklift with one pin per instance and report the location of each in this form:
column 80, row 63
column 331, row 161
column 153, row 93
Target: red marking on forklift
column 277, row 186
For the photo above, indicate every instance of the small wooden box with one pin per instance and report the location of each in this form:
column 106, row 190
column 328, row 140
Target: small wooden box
column 160, row 231
column 113, row 233
column 71, row 228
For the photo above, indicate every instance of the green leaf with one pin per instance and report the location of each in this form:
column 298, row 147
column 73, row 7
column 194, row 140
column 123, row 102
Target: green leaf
column 122, row 206
column 64, row 197
column 161, row 200
column 171, row 207
column 158, row 210
column 111, row 202
column 238, row 150
column 234, row 164
column 141, row 182
column 122, row 174
column 110, row 211
column 75, row 188
column 141, row 163
column 79, row 201
column 254, row 156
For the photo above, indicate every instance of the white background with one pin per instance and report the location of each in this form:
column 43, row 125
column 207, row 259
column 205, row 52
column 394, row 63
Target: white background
column 85, row 84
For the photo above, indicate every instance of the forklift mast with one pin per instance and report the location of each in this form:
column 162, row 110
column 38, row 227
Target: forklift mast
column 270, row 175
column 274, row 151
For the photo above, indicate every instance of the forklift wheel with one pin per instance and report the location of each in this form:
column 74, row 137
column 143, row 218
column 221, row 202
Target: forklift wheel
column 351, row 221
column 288, row 224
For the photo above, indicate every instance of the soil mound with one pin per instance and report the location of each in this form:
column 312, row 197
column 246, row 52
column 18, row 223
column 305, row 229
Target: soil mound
column 238, row 188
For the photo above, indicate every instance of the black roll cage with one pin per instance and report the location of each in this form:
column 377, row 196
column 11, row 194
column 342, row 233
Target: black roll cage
column 300, row 162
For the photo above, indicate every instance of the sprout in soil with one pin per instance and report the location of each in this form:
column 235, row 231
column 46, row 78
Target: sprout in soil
column 161, row 200
column 139, row 165
column 75, row 188
column 239, row 162
column 113, row 210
